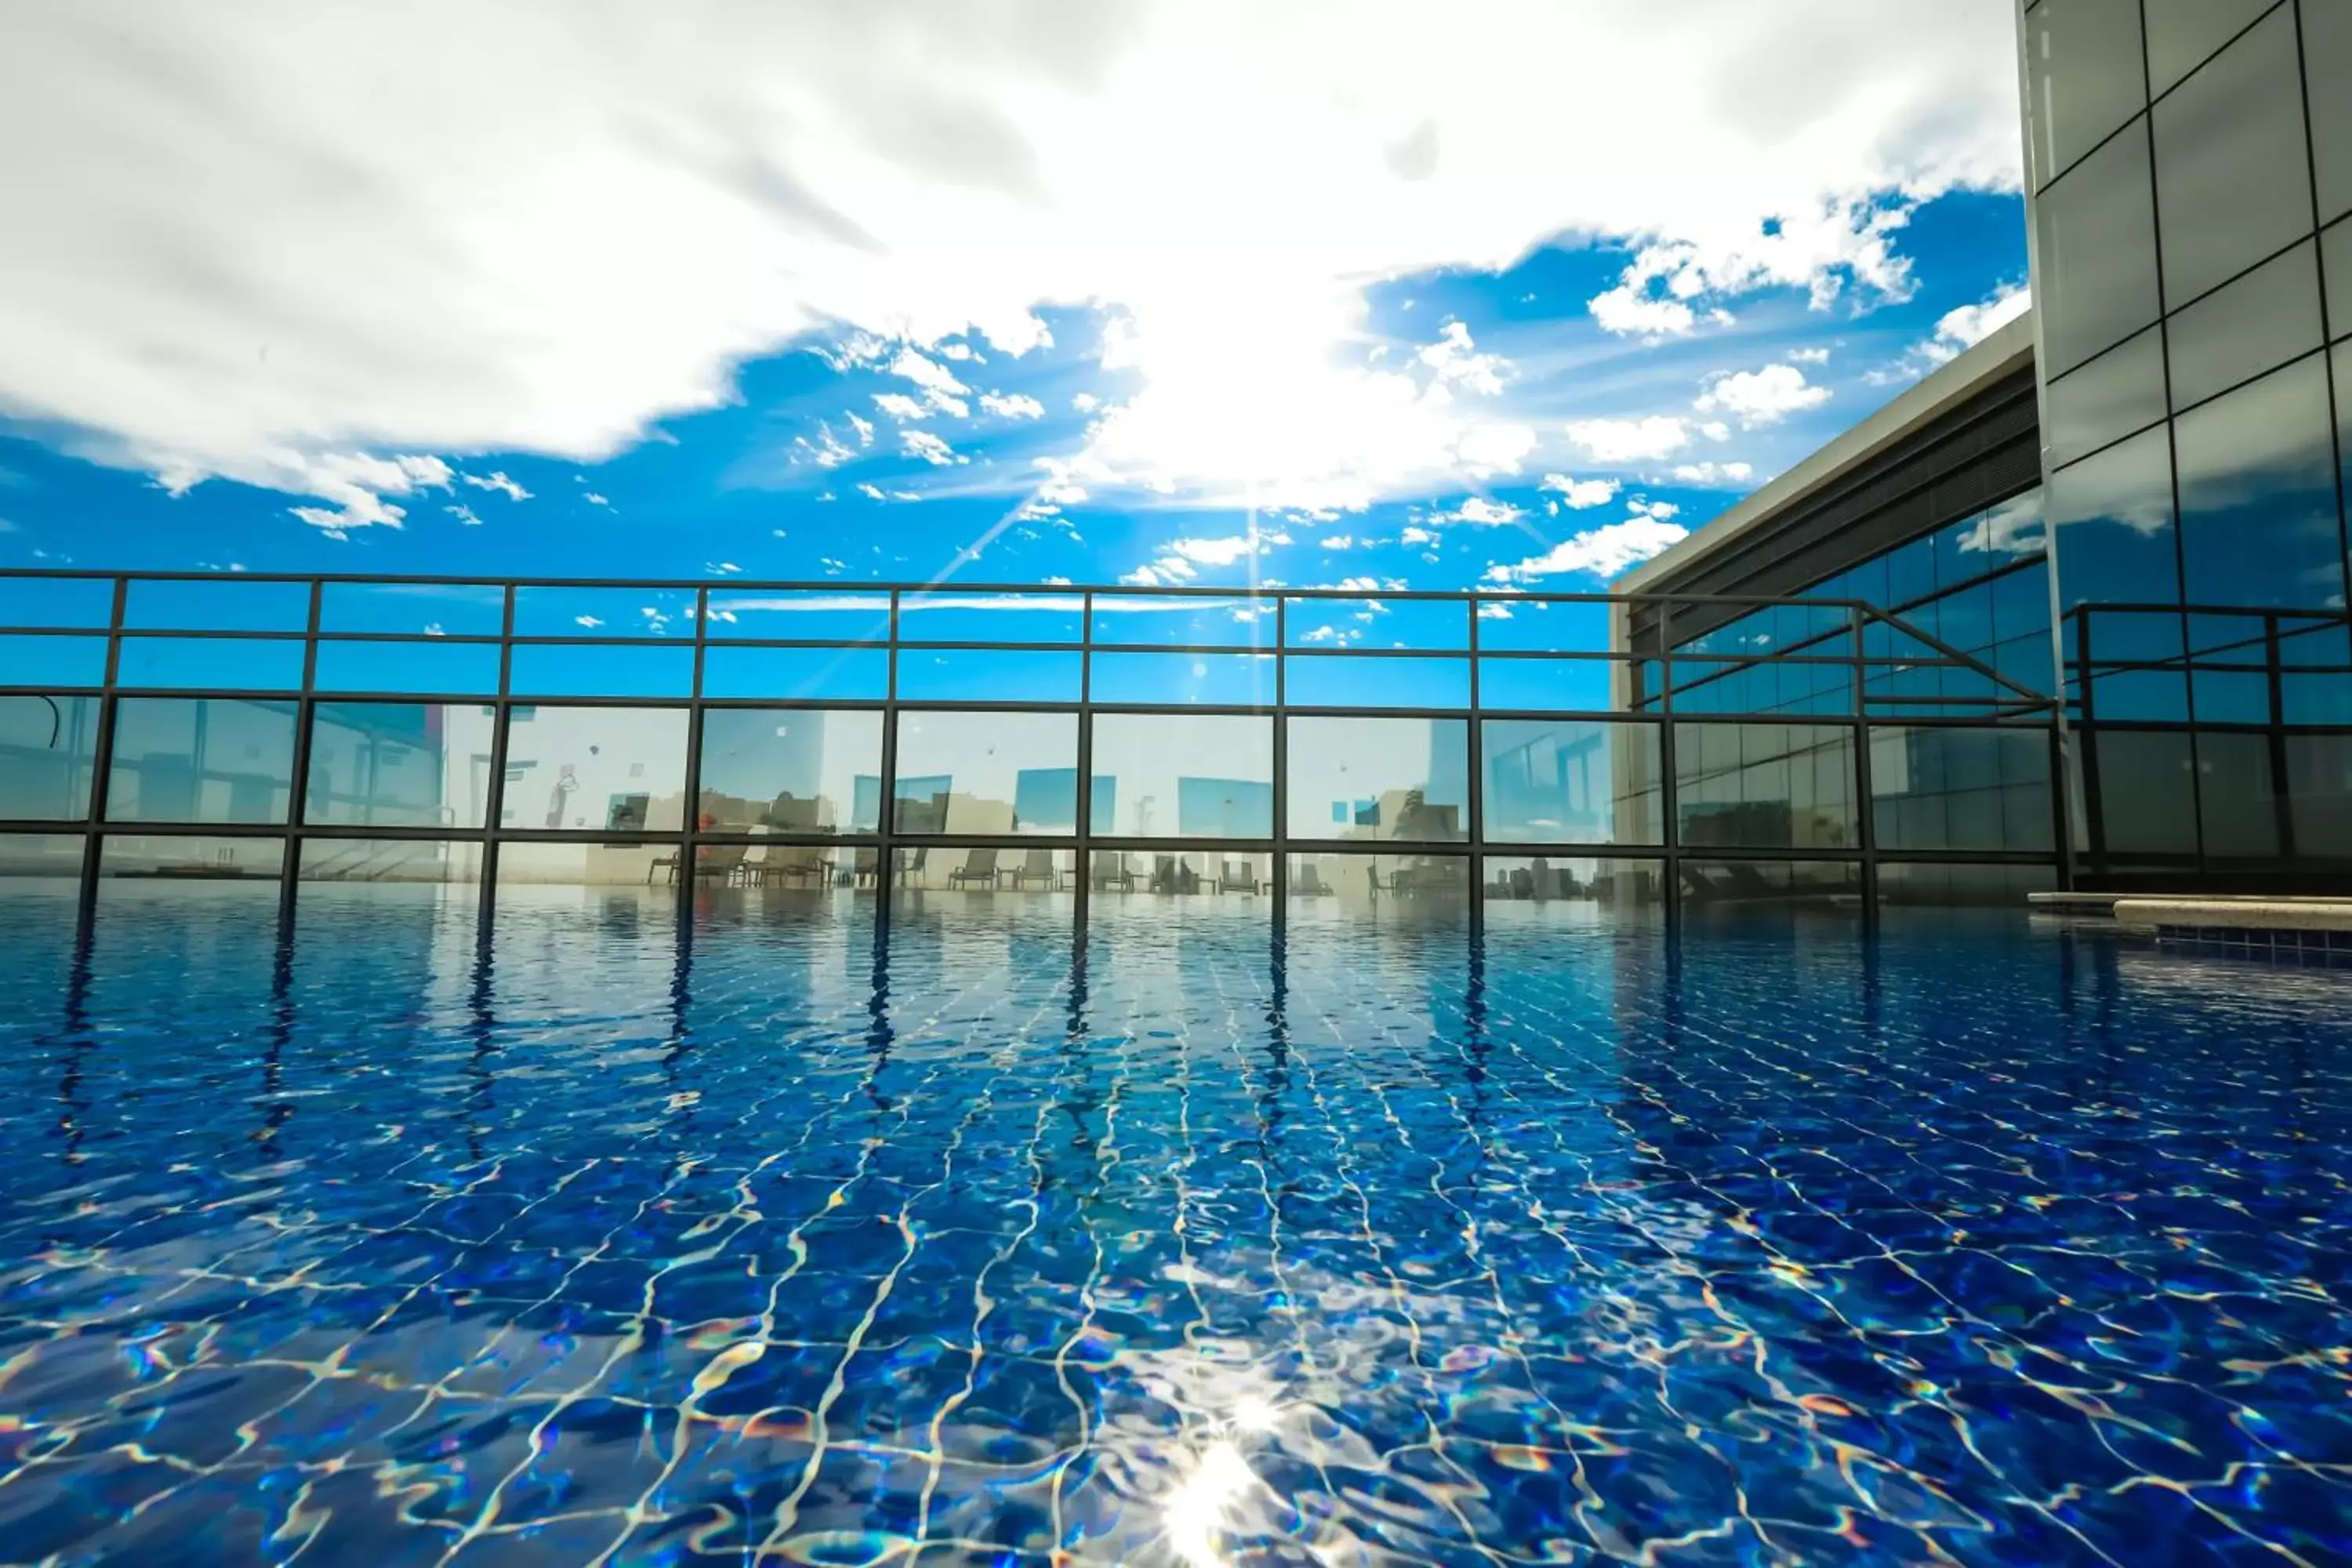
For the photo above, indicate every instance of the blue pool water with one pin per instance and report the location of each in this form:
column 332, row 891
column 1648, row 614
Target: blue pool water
column 1979, row 1244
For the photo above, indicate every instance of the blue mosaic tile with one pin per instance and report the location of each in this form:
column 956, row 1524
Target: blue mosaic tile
column 780, row 1242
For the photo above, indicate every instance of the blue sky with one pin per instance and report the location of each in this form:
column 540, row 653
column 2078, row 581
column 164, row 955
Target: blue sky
column 1498, row 360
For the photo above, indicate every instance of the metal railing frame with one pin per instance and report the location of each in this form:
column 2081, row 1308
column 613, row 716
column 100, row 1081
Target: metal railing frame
column 2012, row 706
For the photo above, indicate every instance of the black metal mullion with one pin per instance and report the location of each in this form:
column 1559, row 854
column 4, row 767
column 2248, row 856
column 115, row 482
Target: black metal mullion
column 1866, row 803
column 495, row 798
column 1085, row 793
column 102, row 768
column 886, row 827
column 297, row 792
column 1281, row 879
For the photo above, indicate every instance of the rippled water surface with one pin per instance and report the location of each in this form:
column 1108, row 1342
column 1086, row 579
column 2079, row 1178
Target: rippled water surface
column 1983, row 1243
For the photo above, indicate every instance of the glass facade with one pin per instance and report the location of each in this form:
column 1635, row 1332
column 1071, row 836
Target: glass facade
column 1515, row 755
column 2189, row 158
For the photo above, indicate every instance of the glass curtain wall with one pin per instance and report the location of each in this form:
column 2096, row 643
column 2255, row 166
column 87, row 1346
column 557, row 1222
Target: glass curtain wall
column 2190, row 189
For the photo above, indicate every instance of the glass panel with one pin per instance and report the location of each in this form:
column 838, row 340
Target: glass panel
column 648, row 870
column 1356, row 885
column 2319, row 794
column 1963, row 887
column 2233, row 180
column 848, row 673
column 48, row 749
column 989, row 675
column 2238, row 331
column 1763, row 686
column 1223, row 680
column 2095, row 253
column 65, row 602
column 1379, row 778
column 216, row 664
column 414, row 609
column 1568, row 885
column 48, row 661
column 601, row 770
column 469, row 668
column 1544, row 625
column 2336, row 262
column 195, row 858
column 999, row 870
column 604, row 613
column 1183, row 620
column 991, row 618
column 1180, row 873
column 1199, row 775
column 2002, row 534
column 1940, row 788
column 800, row 616
column 1735, row 887
column 2237, row 802
column 1375, row 681
column 380, row 861
column 1764, row 786
column 987, row 773
column 51, row 857
column 200, row 760
column 2258, row 502
column 790, row 868
column 2230, row 696
column 1419, row 624
column 1555, row 685
column 2120, row 392
column 218, row 605
column 1551, row 781
column 2140, row 694
column 2182, row 33
column 399, row 764
column 2327, row 66
column 2111, row 516
column 792, row 770
column 2146, row 805
column 601, row 670
column 2083, row 77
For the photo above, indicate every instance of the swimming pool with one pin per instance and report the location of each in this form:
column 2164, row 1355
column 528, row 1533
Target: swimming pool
column 597, row 1244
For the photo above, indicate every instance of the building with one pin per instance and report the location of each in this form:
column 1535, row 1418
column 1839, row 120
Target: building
column 2136, row 492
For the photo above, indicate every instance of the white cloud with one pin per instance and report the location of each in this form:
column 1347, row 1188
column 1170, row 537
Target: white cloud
column 1487, row 451
column 1214, row 551
column 1962, row 329
column 464, row 514
column 356, row 485
column 930, row 448
column 1578, row 495
column 1628, row 310
column 871, row 492
column 1660, row 510
column 1713, row 473
column 1763, row 396
column 499, row 482
column 1453, row 357
column 1337, row 542
column 1417, row 536
column 1480, row 511
column 593, row 498
column 1715, row 430
column 549, row 231
column 898, row 405
column 1085, row 403
column 865, row 430
column 926, row 374
column 1013, row 406
column 1629, row 440
column 1605, row 551
column 1809, row 356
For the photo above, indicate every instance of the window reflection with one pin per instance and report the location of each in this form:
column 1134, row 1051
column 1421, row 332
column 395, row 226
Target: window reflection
column 2258, row 497
column 1570, row 886
column 792, row 770
column 49, row 745
column 1764, row 786
column 986, row 773
column 1379, row 778
column 1954, row 789
column 2182, row 33
column 2111, row 516
column 2082, row 76
column 201, row 760
column 2096, row 252
column 2234, row 334
column 2327, row 66
column 399, row 764
column 2115, row 394
column 597, row 770
column 1194, row 775
column 2232, row 178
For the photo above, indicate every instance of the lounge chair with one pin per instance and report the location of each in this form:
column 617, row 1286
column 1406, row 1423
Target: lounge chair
column 979, row 866
column 1110, row 871
column 1036, row 866
column 1237, row 877
column 1309, row 883
column 867, row 869
column 717, row 863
